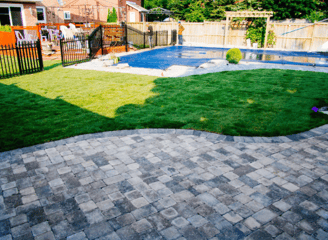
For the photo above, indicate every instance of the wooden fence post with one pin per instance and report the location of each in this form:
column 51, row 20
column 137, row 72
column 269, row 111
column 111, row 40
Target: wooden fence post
column 226, row 32
column 205, row 32
column 266, row 32
column 312, row 37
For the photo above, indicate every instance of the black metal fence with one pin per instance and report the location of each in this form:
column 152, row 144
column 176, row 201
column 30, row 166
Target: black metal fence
column 140, row 39
column 161, row 38
column 105, row 36
column 95, row 41
column 21, row 58
column 74, row 51
column 82, row 49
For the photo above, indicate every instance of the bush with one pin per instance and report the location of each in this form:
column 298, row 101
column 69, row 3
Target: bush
column 234, row 55
column 256, row 33
column 5, row 28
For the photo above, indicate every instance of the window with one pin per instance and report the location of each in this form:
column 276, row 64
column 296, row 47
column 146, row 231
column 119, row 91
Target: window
column 11, row 14
column 41, row 14
column 67, row 15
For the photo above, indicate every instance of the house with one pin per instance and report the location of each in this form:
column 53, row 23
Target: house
column 31, row 12
column 18, row 12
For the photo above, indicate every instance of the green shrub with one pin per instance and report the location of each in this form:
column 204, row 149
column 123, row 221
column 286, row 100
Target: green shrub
column 5, row 28
column 141, row 46
column 234, row 55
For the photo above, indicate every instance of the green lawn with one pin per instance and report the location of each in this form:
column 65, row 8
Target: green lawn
column 61, row 102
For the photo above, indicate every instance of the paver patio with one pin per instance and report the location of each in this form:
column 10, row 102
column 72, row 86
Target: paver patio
column 167, row 184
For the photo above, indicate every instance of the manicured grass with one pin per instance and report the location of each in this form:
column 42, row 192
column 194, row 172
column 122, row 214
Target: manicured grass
column 61, row 102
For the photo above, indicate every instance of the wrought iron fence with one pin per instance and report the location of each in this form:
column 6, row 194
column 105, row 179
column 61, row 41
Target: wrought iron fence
column 20, row 58
column 74, row 51
column 95, row 41
column 103, row 37
column 161, row 38
column 140, row 39
column 136, row 37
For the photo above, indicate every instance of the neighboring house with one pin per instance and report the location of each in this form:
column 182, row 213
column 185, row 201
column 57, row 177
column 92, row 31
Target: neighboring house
column 31, row 12
column 18, row 12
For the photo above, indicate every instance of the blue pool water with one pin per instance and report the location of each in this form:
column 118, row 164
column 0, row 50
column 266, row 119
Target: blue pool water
column 194, row 56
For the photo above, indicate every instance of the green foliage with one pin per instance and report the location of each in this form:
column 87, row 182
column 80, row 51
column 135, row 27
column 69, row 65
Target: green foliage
column 256, row 33
column 196, row 13
column 199, row 10
column 109, row 16
column 5, row 28
column 295, row 8
column 316, row 16
column 141, row 46
column 112, row 16
column 192, row 10
column 272, row 38
column 234, row 55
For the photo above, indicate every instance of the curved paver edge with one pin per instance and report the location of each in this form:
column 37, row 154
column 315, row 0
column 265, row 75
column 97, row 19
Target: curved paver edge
column 316, row 132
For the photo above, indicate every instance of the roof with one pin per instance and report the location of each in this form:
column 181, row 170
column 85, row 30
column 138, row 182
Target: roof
column 22, row 1
column 137, row 7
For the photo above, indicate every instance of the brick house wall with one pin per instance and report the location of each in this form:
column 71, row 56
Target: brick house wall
column 28, row 18
column 54, row 12
column 100, row 15
column 136, row 12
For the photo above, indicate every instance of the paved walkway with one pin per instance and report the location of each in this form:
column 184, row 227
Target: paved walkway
column 167, row 184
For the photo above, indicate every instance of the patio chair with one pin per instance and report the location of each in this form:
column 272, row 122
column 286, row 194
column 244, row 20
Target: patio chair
column 54, row 33
column 21, row 39
column 67, row 33
column 74, row 29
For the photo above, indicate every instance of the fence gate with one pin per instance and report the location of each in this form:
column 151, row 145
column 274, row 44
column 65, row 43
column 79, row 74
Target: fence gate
column 161, row 38
column 74, row 51
column 21, row 58
column 81, row 49
column 95, row 42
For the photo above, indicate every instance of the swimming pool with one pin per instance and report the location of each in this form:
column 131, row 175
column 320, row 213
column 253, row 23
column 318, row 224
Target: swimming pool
column 194, row 56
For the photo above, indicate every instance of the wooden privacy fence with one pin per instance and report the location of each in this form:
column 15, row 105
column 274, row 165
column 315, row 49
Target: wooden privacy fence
column 22, row 58
column 212, row 33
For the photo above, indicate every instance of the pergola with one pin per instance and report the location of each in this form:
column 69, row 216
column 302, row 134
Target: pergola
column 248, row 14
column 160, row 10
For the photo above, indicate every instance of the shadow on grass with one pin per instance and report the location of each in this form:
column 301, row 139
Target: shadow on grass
column 28, row 119
column 51, row 65
column 190, row 103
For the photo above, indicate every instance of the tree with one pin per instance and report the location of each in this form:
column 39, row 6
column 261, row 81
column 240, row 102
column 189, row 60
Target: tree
column 109, row 16
column 114, row 15
column 197, row 12
column 293, row 8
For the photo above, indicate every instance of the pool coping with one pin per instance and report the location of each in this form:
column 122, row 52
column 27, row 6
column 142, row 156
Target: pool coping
column 214, row 137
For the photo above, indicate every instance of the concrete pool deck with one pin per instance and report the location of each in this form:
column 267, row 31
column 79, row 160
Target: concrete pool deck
column 182, row 71
column 167, row 184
